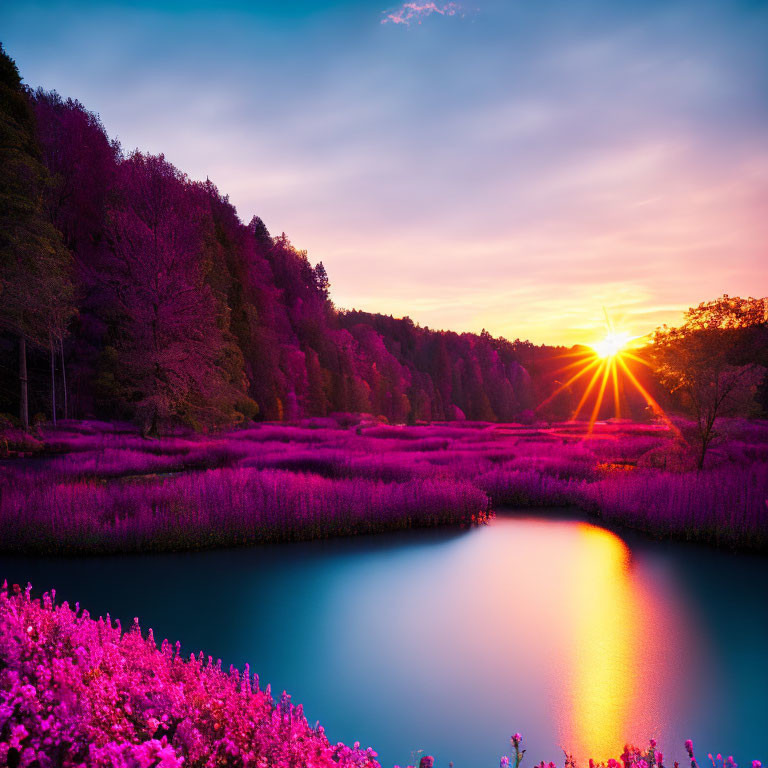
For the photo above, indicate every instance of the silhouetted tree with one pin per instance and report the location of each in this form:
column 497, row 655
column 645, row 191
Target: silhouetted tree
column 702, row 362
column 321, row 280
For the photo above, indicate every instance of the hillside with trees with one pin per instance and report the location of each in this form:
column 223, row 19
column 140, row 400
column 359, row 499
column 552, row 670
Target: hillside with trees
column 129, row 291
column 133, row 292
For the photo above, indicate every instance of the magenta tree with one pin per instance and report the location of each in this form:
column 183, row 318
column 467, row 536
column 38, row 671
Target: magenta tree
column 170, row 330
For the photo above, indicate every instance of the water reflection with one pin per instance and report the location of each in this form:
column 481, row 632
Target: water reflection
column 625, row 641
column 606, row 655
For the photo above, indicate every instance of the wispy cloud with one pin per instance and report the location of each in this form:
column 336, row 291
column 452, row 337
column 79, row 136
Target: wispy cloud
column 409, row 13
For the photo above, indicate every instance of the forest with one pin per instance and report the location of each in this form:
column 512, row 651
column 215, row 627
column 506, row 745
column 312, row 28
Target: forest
column 133, row 292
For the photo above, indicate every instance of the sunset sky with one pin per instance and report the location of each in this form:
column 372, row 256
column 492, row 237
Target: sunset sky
column 515, row 166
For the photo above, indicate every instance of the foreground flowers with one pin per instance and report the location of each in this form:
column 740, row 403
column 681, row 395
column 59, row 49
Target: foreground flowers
column 631, row 757
column 75, row 691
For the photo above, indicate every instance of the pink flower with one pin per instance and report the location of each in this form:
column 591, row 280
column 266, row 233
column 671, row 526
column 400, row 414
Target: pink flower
column 68, row 714
column 18, row 734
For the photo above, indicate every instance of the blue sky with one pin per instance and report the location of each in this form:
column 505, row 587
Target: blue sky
column 509, row 165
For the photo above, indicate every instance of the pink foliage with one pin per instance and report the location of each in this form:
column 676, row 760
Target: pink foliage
column 77, row 691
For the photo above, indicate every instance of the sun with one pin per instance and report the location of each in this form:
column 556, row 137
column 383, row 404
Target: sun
column 605, row 367
column 611, row 345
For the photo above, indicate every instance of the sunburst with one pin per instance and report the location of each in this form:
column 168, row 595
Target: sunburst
column 606, row 362
column 611, row 345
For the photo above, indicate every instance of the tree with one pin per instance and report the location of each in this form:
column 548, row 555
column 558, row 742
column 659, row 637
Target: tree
column 36, row 294
column 321, row 280
column 703, row 361
column 82, row 163
column 171, row 351
column 260, row 232
column 727, row 313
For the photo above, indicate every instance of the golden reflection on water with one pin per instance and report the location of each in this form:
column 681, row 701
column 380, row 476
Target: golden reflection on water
column 616, row 654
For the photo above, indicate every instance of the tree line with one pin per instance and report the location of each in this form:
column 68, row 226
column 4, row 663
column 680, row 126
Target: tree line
column 129, row 291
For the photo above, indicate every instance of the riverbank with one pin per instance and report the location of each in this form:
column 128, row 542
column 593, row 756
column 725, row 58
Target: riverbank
column 94, row 487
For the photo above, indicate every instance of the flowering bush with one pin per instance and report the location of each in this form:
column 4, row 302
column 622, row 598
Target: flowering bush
column 76, row 691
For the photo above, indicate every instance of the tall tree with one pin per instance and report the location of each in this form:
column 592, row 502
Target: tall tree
column 322, row 281
column 170, row 342
column 36, row 294
column 703, row 362
column 82, row 164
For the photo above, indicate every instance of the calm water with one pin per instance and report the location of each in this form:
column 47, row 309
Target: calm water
column 450, row 642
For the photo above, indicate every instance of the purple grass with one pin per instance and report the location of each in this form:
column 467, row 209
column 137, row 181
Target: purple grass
column 223, row 508
column 94, row 488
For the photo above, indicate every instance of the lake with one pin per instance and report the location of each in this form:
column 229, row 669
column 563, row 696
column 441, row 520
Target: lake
column 451, row 641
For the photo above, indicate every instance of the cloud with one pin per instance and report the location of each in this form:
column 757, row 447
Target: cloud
column 415, row 12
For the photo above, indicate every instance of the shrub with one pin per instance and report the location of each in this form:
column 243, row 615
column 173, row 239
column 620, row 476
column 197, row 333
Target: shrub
column 75, row 691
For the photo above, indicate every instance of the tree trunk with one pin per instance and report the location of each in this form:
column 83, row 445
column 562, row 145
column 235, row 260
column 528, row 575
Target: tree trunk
column 64, row 376
column 24, row 405
column 706, row 439
column 53, row 379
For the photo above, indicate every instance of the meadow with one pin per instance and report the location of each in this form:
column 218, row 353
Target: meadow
column 92, row 487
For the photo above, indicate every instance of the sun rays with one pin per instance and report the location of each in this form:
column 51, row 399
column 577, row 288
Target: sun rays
column 607, row 364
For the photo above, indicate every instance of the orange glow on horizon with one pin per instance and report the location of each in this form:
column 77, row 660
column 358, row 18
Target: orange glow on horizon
column 606, row 360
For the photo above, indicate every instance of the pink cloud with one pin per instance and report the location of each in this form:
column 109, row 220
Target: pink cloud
column 414, row 11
